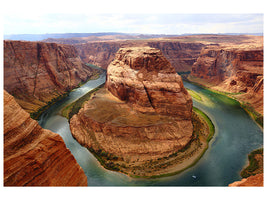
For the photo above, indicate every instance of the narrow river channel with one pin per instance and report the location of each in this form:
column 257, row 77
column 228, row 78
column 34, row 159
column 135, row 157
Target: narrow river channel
column 236, row 136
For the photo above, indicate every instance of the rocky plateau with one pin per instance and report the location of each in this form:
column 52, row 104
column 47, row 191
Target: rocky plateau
column 34, row 156
column 143, row 113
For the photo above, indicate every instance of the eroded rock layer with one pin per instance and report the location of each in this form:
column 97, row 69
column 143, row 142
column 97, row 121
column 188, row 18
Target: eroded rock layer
column 143, row 113
column 145, row 78
column 36, row 72
column 233, row 69
column 34, row 156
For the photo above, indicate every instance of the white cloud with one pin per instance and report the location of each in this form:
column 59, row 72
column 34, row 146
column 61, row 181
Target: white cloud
column 134, row 23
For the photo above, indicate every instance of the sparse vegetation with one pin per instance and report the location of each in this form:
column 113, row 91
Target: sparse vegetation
column 106, row 159
column 36, row 115
column 255, row 115
column 194, row 94
column 74, row 107
column 229, row 98
column 208, row 121
column 255, row 164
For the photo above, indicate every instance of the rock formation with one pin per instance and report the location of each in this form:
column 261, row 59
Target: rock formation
column 36, row 72
column 144, row 78
column 232, row 69
column 34, row 156
column 142, row 114
column 256, row 180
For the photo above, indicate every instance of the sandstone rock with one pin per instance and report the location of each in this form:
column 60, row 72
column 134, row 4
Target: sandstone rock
column 256, row 181
column 34, row 156
column 36, row 72
column 144, row 78
column 143, row 113
column 234, row 70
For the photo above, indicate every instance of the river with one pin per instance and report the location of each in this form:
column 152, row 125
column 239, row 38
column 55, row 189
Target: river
column 236, row 135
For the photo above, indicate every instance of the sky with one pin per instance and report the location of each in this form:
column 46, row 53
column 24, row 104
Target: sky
column 153, row 23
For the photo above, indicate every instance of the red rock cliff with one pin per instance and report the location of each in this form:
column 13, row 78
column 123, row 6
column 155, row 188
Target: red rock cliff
column 36, row 72
column 235, row 70
column 34, row 156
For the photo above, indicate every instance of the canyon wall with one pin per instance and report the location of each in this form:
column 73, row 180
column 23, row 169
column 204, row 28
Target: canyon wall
column 181, row 55
column 35, row 73
column 34, row 156
column 236, row 70
column 98, row 53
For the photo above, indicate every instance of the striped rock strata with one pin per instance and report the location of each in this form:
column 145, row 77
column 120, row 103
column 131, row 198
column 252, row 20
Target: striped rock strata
column 34, row 156
column 35, row 72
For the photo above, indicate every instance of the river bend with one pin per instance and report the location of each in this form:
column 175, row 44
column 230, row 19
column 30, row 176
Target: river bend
column 236, row 135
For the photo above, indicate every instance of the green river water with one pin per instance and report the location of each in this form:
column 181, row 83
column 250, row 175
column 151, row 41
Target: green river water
column 236, row 135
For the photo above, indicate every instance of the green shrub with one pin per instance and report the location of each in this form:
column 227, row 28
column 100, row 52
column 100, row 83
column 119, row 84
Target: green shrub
column 253, row 164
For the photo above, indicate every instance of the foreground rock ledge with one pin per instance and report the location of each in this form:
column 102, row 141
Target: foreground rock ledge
column 34, row 156
column 143, row 114
column 256, row 181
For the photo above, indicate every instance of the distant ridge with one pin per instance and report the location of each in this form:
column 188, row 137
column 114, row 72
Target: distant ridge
column 39, row 37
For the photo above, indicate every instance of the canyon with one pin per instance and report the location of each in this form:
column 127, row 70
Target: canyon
column 34, row 156
column 37, row 73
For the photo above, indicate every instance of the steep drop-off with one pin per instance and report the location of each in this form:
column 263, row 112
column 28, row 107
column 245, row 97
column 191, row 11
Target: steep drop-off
column 181, row 55
column 34, row 156
column 237, row 70
column 35, row 73
column 142, row 114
